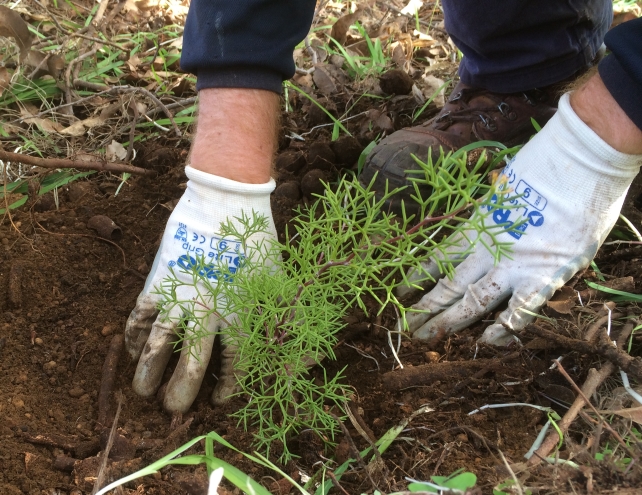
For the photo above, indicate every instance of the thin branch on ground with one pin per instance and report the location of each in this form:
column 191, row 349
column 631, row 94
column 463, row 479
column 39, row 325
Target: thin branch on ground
column 132, row 131
column 593, row 381
column 99, row 164
column 100, row 477
column 604, row 348
column 605, row 423
column 355, row 451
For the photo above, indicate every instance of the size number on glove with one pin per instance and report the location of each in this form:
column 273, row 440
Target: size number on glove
column 527, row 205
column 218, row 255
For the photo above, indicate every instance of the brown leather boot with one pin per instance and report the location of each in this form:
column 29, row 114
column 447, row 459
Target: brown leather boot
column 471, row 114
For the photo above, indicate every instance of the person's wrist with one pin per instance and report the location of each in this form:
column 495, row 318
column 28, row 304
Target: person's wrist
column 595, row 106
column 236, row 134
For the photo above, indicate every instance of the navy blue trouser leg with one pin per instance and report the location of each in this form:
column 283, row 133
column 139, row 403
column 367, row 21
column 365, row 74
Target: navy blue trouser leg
column 244, row 43
column 516, row 45
column 508, row 46
column 621, row 71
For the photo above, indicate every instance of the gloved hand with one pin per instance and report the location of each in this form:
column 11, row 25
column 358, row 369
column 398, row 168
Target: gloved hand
column 571, row 185
column 192, row 231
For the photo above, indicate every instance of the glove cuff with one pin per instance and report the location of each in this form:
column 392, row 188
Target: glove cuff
column 606, row 159
column 227, row 185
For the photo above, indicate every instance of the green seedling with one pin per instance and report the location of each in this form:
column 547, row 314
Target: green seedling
column 364, row 155
column 51, row 182
column 458, row 482
column 336, row 121
column 430, row 100
column 598, row 272
column 125, row 176
column 359, row 67
column 290, row 298
column 234, row 475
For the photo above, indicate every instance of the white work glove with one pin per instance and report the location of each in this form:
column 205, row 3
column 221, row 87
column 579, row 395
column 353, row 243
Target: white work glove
column 572, row 186
column 192, row 231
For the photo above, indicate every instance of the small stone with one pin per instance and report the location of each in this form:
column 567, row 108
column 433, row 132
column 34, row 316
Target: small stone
column 431, row 356
column 76, row 392
column 146, row 434
column 289, row 190
column 28, row 415
column 38, row 341
column 19, row 403
column 311, row 182
column 49, row 368
column 107, row 331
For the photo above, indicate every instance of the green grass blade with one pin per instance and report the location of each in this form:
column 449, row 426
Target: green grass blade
column 624, row 296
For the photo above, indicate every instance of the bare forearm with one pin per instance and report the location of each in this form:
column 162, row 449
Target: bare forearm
column 594, row 104
column 236, row 135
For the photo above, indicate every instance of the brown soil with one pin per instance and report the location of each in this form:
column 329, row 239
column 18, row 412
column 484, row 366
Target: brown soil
column 68, row 293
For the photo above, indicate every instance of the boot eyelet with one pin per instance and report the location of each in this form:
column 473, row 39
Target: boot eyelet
column 455, row 97
column 442, row 117
column 488, row 123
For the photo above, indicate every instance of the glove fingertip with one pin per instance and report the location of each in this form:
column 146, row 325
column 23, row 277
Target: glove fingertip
column 225, row 389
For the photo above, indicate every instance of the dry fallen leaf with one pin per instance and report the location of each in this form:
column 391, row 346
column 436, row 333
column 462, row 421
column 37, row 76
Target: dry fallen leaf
column 115, row 152
column 12, row 26
column 324, row 80
column 340, row 28
column 633, row 413
column 54, row 65
column 79, row 128
column 431, row 86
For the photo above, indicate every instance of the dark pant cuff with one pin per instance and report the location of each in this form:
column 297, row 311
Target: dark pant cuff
column 239, row 77
column 624, row 89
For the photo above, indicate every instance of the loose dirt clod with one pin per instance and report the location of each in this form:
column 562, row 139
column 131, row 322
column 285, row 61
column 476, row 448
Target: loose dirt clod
column 396, row 82
column 64, row 463
column 311, row 183
column 291, row 161
column 289, row 190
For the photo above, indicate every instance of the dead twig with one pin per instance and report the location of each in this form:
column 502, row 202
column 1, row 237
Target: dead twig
column 605, row 423
column 355, row 451
column 427, row 374
column 132, row 131
column 70, row 67
column 100, row 477
column 621, row 359
column 42, row 64
column 336, row 483
column 101, row 166
column 98, row 40
column 593, row 381
column 108, row 380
